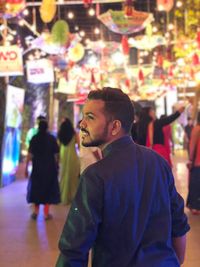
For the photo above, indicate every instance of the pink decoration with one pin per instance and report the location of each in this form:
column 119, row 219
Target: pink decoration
column 166, row 5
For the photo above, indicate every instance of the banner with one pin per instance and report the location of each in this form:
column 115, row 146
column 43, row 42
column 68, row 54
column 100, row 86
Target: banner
column 165, row 5
column 12, row 133
column 40, row 71
column 11, row 61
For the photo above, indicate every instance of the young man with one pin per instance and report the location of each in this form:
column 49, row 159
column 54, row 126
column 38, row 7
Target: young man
column 127, row 208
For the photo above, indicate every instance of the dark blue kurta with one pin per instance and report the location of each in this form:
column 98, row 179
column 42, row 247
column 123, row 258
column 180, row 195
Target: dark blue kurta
column 43, row 187
column 127, row 209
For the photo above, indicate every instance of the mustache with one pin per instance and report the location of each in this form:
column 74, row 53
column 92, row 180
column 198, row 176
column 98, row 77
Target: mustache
column 84, row 130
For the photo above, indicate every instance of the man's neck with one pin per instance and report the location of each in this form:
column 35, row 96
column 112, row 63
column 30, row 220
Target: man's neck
column 115, row 138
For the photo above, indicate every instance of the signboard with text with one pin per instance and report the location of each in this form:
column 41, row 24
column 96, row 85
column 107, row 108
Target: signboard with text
column 11, row 63
column 40, row 71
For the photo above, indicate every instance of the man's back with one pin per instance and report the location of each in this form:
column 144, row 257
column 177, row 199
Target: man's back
column 130, row 207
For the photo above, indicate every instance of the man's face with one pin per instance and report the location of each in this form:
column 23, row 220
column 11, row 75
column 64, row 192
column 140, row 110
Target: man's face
column 95, row 128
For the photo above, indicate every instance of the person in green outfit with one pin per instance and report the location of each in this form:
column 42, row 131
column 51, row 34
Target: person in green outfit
column 69, row 162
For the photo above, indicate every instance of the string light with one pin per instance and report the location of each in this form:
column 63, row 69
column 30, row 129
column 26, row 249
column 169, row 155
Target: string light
column 76, row 28
column 91, row 12
column 21, row 22
column 171, row 27
column 160, row 8
column 154, row 29
column 31, row 57
column 25, row 12
column 179, row 4
column 87, row 41
column 96, row 31
column 82, row 33
column 70, row 15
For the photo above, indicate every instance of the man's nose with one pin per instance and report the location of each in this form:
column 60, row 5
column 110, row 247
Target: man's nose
column 82, row 123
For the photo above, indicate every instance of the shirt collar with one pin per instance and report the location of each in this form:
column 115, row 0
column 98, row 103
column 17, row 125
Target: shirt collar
column 117, row 144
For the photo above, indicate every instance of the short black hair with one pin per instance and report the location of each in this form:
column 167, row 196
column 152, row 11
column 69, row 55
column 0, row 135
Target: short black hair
column 118, row 105
column 42, row 126
column 41, row 118
column 66, row 132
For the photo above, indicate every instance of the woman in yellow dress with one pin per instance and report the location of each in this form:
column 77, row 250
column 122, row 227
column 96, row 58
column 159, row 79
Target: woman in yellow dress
column 69, row 162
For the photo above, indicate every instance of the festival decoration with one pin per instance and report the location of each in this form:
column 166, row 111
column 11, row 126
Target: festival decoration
column 60, row 32
column 11, row 61
column 118, row 22
column 2, row 7
column 40, row 71
column 195, row 59
column 147, row 42
column 128, row 7
column 48, row 10
column 76, row 53
column 198, row 37
column 165, row 5
column 11, row 8
column 125, row 45
column 87, row 3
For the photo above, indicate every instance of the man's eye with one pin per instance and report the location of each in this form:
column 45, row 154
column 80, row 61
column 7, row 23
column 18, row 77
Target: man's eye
column 90, row 117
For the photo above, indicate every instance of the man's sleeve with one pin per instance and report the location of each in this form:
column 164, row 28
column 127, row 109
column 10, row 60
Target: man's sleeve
column 180, row 224
column 82, row 224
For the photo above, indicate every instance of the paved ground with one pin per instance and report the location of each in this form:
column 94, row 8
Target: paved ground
column 26, row 243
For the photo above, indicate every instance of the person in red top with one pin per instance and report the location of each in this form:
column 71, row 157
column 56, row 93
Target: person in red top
column 193, row 199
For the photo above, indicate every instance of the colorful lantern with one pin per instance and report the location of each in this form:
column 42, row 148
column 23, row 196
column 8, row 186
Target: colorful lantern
column 48, row 10
column 60, row 32
column 12, row 8
column 118, row 22
column 76, row 53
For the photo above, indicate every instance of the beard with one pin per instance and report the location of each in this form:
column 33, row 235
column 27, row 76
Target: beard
column 96, row 141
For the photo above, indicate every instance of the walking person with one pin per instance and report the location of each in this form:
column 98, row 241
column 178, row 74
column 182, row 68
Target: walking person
column 43, row 187
column 152, row 131
column 69, row 161
column 126, row 208
column 193, row 199
column 187, row 133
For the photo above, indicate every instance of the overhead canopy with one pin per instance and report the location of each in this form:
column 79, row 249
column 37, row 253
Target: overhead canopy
column 118, row 22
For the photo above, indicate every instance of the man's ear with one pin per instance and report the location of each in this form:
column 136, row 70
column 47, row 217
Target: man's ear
column 116, row 127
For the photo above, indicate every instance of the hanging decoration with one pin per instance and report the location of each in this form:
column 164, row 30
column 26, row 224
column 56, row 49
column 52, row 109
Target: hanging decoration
column 76, row 53
column 87, row 3
column 145, row 42
column 11, row 8
column 47, row 10
column 2, row 7
column 195, row 59
column 118, row 22
column 141, row 76
column 60, row 32
column 198, row 37
column 125, row 45
column 165, row 5
column 128, row 7
column 97, row 9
